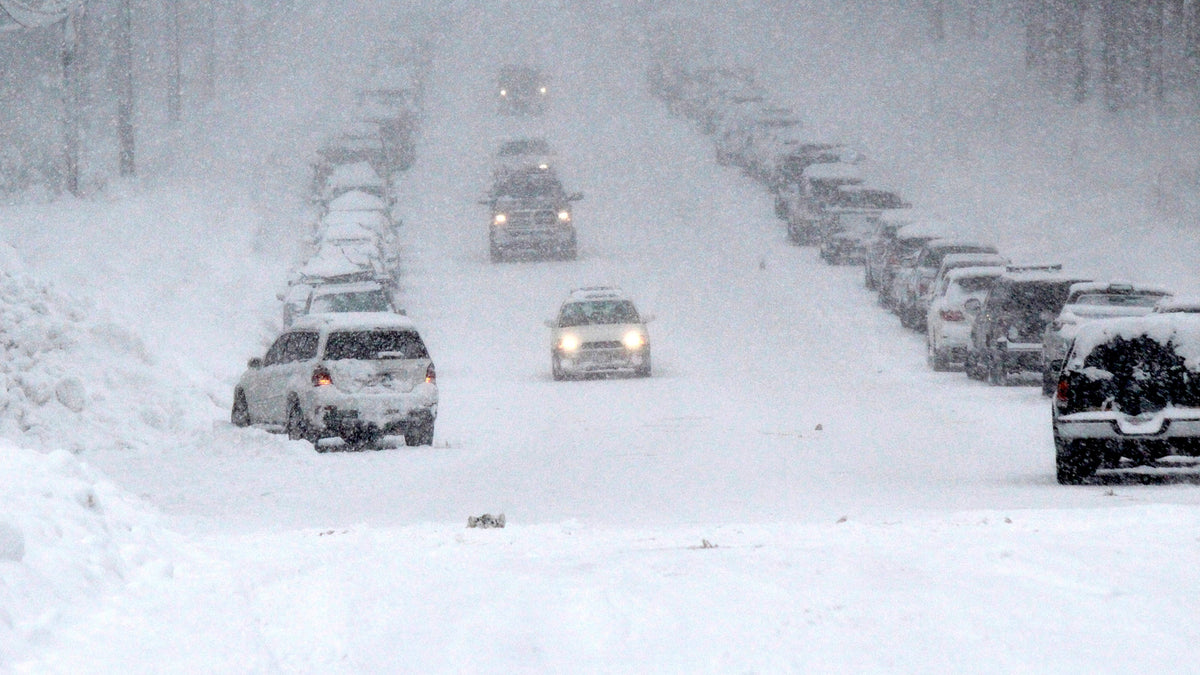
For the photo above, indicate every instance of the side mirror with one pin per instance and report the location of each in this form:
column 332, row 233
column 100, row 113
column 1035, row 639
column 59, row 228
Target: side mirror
column 575, row 196
column 255, row 363
column 550, row 323
column 647, row 318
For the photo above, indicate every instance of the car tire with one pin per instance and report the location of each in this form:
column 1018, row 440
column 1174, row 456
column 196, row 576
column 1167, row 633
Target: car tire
column 297, row 427
column 1074, row 461
column 793, row 234
column 937, row 359
column 239, row 415
column 644, row 369
column 997, row 373
column 556, row 369
column 868, row 282
column 419, row 434
column 1049, row 383
column 495, row 253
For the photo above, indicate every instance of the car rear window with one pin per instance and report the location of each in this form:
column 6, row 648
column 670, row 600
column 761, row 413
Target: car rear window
column 1134, row 375
column 1118, row 300
column 1038, row 297
column 361, row 301
column 370, row 345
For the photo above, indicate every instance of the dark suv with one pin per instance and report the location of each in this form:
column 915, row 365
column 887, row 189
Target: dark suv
column 1128, row 393
column 1006, row 339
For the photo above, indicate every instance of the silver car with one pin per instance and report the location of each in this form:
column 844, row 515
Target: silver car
column 356, row 376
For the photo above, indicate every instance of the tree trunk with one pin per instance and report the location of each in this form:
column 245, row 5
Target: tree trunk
column 124, row 64
column 175, row 76
column 71, row 103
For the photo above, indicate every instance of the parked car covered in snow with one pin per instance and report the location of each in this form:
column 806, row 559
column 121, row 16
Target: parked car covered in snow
column 1088, row 302
column 598, row 331
column 1006, row 339
column 1128, row 394
column 356, row 376
column 954, row 304
column 913, row 286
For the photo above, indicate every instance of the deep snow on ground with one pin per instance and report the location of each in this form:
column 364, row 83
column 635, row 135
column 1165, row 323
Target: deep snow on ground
column 792, row 491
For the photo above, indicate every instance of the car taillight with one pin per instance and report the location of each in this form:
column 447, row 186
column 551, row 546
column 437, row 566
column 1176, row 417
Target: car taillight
column 1063, row 392
column 321, row 377
column 431, row 374
column 951, row 315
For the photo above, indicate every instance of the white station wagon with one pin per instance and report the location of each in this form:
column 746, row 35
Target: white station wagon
column 357, row 376
column 598, row 331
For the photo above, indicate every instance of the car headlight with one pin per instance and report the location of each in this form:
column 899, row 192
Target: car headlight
column 568, row 342
column 634, row 340
column 503, row 92
column 564, row 216
column 499, row 219
column 542, row 90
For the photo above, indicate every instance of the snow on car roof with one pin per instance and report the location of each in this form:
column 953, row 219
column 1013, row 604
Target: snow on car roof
column 834, row 172
column 1182, row 330
column 358, row 174
column 347, row 230
column 1046, row 273
column 596, row 293
column 364, row 218
column 923, row 229
column 1179, row 304
column 975, row 271
column 354, row 321
column 1117, row 287
column 356, row 200
column 973, row 259
column 330, row 263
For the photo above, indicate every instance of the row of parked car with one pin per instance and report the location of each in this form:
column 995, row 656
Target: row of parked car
column 1121, row 359
column 349, row 364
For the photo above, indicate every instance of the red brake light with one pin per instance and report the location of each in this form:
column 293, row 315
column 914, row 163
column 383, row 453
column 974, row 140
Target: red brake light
column 1063, row 391
column 431, row 374
column 951, row 315
column 321, row 377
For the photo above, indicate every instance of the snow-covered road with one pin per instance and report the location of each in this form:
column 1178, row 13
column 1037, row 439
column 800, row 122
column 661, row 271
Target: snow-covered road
column 793, row 490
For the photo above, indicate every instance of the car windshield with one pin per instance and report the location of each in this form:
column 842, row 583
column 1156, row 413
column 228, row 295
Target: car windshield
column 530, row 185
column 598, row 312
column 975, row 284
column 368, row 345
column 361, row 301
column 1117, row 300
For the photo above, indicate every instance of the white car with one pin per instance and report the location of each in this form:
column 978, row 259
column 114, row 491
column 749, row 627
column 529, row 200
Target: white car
column 357, row 376
column 953, row 306
column 599, row 331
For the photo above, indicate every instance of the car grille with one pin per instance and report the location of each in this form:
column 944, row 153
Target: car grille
column 532, row 220
column 613, row 344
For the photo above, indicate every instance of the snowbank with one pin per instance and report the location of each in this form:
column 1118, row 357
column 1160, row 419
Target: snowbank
column 71, row 379
column 66, row 537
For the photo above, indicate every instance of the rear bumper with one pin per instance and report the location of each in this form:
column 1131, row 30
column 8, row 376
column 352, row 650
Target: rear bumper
column 334, row 413
column 532, row 238
column 1112, row 426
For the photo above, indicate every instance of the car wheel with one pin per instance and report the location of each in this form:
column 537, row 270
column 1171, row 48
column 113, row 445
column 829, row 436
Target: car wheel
column 239, row 416
column 793, row 234
column 1074, row 461
column 868, row 282
column 936, row 358
column 495, row 253
column 419, row 434
column 644, row 369
column 1049, row 383
column 297, row 427
column 568, row 253
column 556, row 369
column 997, row 373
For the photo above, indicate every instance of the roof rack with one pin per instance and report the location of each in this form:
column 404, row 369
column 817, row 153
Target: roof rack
column 1048, row 267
